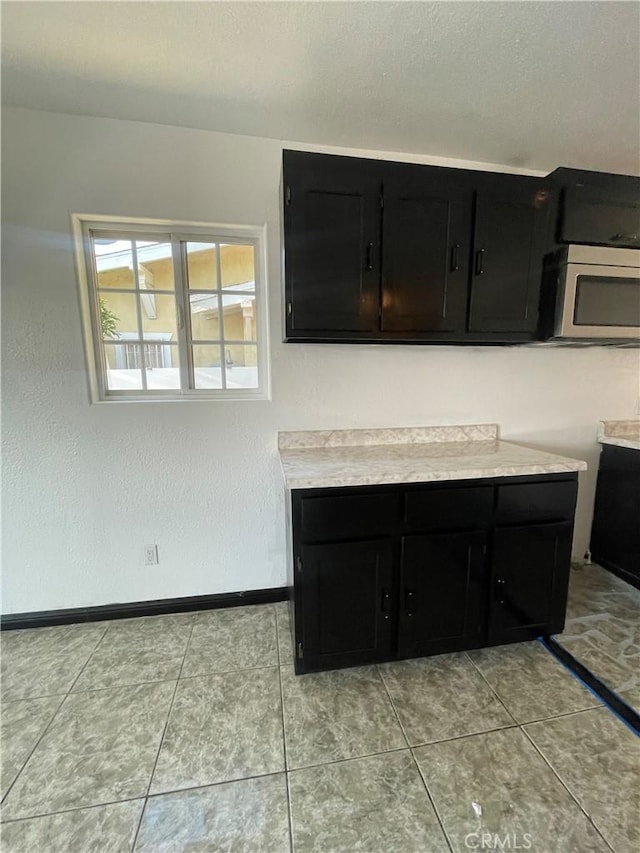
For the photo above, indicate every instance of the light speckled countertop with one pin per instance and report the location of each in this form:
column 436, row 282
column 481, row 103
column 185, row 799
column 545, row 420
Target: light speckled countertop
column 620, row 433
column 409, row 455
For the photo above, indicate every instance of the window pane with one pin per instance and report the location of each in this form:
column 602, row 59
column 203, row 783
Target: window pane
column 114, row 263
column 155, row 265
column 123, row 367
column 163, row 366
column 206, row 366
column 118, row 315
column 205, row 319
column 241, row 365
column 237, row 266
column 158, row 314
column 201, row 266
column 239, row 317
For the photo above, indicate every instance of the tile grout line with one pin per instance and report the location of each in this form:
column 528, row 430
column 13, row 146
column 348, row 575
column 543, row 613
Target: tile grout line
column 284, row 736
column 490, row 686
column 37, row 743
column 168, row 793
column 164, row 731
column 564, row 785
column 64, row 698
column 415, row 763
column 72, row 809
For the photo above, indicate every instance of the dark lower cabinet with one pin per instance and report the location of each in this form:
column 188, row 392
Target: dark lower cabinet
column 529, row 580
column 442, row 583
column 402, row 571
column 615, row 534
column 347, row 597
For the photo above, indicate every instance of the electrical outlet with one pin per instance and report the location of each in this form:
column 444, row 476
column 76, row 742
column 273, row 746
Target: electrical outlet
column 150, row 555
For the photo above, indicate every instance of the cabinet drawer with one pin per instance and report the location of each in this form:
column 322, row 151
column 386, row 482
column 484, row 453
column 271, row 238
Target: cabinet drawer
column 347, row 517
column 529, row 503
column 448, row 509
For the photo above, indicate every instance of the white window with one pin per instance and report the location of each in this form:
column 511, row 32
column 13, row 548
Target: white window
column 173, row 310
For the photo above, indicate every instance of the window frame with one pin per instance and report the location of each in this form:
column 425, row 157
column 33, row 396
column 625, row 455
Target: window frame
column 176, row 232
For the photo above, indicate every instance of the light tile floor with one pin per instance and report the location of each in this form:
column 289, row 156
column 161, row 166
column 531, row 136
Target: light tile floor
column 192, row 733
column 602, row 630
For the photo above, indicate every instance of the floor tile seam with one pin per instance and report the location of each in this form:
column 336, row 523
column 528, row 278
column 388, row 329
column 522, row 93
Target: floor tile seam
column 164, row 731
column 284, row 744
column 230, row 671
column 393, row 706
column 86, row 663
column 506, row 727
column 561, row 715
column 284, row 733
column 36, row 745
column 99, row 805
column 122, row 686
column 491, row 687
column 566, row 787
column 5, row 702
column 236, row 780
column 348, row 758
column 289, row 811
column 433, row 804
column 275, row 616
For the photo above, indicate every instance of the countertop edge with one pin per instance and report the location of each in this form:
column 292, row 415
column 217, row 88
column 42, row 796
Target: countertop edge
column 435, row 477
column 619, row 441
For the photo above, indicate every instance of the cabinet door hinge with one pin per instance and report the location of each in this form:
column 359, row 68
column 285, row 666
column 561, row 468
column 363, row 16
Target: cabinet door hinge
column 300, row 651
column 299, row 565
column 288, row 194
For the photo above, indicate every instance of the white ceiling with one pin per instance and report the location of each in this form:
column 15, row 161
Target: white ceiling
column 520, row 83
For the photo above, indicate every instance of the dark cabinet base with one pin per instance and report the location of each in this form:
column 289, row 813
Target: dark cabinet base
column 390, row 572
column 615, row 535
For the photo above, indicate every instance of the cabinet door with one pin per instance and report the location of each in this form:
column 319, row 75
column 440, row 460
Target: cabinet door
column 509, row 246
column 529, row 580
column 332, row 243
column 346, row 603
column 615, row 535
column 441, row 593
column 598, row 208
column 426, row 229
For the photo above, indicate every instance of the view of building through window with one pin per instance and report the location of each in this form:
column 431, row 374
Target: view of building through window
column 175, row 314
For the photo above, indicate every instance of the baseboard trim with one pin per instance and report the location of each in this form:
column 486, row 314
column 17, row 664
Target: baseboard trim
column 129, row 610
column 608, row 696
column 623, row 574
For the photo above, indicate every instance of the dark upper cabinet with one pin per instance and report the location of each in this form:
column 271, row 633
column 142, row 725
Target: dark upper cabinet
column 597, row 208
column 509, row 245
column 426, row 223
column 347, row 603
column 442, row 582
column 331, row 244
column 393, row 252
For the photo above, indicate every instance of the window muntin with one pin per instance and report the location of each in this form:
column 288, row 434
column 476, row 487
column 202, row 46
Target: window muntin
column 174, row 315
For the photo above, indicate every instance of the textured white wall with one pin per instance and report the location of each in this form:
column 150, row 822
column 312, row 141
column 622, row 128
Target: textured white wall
column 85, row 487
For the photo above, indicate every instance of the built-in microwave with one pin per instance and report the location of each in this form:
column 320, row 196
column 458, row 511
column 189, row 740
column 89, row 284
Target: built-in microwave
column 592, row 293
